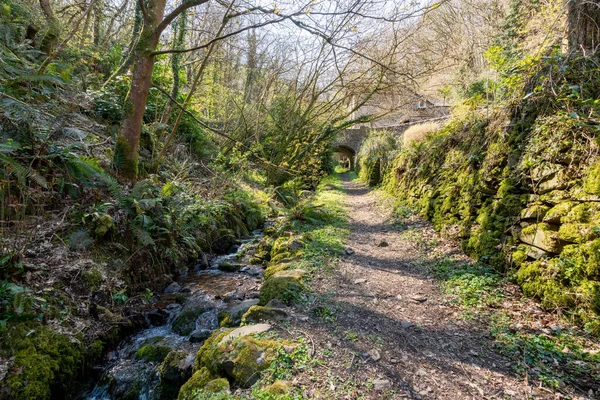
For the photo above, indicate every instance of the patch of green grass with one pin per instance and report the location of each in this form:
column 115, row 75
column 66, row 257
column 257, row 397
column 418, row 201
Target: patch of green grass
column 326, row 313
column 469, row 284
column 352, row 336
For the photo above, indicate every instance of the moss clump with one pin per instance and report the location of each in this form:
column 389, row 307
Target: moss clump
column 559, row 211
column 196, row 383
column 578, row 233
column 283, row 285
column 185, row 323
column 582, row 213
column 92, row 279
column 241, row 360
column 103, row 226
column 44, row 361
column 257, row 314
column 125, row 160
column 278, row 387
column 591, row 182
column 232, row 315
column 173, row 374
column 152, row 352
column 283, row 257
column 229, row 267
column 255, row 260
column 276, row 267
column 217, row 386
column 286, row 247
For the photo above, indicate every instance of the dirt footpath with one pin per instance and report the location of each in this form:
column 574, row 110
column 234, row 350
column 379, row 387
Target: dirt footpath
column 384, row 329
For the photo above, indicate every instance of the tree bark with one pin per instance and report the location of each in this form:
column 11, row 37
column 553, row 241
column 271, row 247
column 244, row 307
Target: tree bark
column 126, row 151
column 584, row 26
column 51, row 36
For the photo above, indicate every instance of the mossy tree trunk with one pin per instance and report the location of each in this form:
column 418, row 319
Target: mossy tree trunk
column 52, row 34
column 584, row 26
column 155, row 22
column 126, row 159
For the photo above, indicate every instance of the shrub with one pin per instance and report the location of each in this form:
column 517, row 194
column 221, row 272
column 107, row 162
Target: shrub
column 417, row 133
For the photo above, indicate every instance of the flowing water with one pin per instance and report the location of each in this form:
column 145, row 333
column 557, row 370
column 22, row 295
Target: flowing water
column 125, row 375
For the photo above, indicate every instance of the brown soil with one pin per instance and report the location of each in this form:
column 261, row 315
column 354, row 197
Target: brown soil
column 382, row 300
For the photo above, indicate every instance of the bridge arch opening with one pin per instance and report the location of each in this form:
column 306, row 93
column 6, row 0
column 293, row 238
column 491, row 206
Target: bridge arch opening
column 345, row 154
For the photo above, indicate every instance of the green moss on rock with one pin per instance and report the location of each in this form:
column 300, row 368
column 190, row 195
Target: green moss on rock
column 241, row 359
column 542, row 236
column 559, row 211
column 578, row 233
column 45, row 363
column 196, row 383
column 283, row 285
column 92, row 279
column 276, row 267
column 153, row 352
column 185, row 323
column 257, row 314
column 173, row 373
column 591, row 182
column 229, row 267
column 217, row 386
column 278, row 387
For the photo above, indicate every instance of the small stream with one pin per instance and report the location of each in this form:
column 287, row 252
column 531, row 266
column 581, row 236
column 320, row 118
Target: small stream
column 182, row 327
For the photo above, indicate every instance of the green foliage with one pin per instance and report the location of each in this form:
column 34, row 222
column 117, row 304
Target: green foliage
column 554, row 359
column 472, row 285
column 375, row 156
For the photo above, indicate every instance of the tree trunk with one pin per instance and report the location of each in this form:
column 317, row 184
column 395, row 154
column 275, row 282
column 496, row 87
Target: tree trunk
column 584, row 26
column 51, row 36
column 98, row 18
column 126, row 150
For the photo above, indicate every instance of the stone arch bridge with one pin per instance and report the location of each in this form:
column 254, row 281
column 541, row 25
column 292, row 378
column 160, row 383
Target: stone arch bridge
column 348, row 142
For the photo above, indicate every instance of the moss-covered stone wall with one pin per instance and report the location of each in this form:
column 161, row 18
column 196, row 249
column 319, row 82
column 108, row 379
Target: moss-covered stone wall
column 520, row 189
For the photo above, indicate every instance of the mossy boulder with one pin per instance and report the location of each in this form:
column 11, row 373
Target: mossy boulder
column 44, row 362
column 232, row 315
column 218, row 385
column 278, row 387
column 262, row 313
column 276, row 267
column 153, row 352
column 195, row 384
column 175, row 370
column 283, row 285
column 229, row 267
column 237, row 354
column 542, row 236
column 286, row 246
